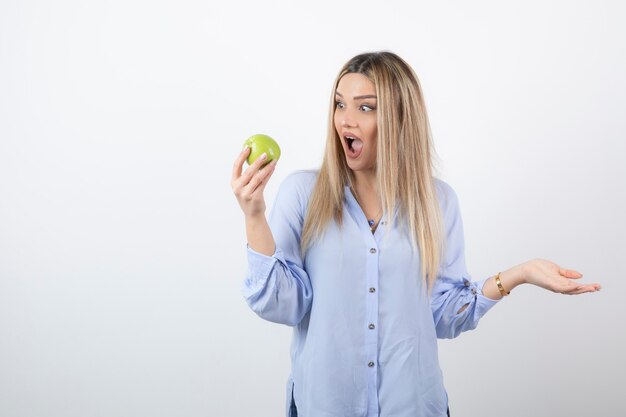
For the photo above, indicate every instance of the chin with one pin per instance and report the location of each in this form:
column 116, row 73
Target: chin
column 359, row 166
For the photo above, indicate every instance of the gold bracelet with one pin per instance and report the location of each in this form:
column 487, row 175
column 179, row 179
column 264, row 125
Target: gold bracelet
column 499, row 284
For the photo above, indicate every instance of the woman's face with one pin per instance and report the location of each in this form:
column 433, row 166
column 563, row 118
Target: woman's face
column 355, row 120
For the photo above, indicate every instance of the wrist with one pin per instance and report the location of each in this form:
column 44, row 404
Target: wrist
column 259, row 235
column 508, row 280
column 512, row 277
column 255, row 218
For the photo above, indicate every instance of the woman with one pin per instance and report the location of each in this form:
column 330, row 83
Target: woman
column 365, row 256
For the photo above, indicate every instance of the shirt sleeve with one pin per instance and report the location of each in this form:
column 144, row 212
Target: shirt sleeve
column 457, row 302
column 277, row 287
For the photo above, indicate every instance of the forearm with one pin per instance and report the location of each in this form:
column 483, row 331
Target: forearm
column 259, row 235
column 509, row 279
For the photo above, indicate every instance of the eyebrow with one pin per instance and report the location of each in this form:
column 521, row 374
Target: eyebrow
column 358, row 97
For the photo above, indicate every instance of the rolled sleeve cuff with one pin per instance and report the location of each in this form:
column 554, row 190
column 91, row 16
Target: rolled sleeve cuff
column 483, row 303
column 259, row 268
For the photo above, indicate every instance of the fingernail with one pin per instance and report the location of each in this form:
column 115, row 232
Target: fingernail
column 245, row 148
column 263, row 156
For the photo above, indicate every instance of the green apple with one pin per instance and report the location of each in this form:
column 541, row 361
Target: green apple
column 258, row 145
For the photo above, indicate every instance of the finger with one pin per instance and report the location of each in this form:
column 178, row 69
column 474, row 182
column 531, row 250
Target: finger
column 269, row 170
column 260, row 180
column 570, row 273
column 576, row 292
column 238, row 165
column 253, row 169
column 565, row 286
column 583, row 290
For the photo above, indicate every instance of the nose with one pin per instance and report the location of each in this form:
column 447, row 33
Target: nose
column 347, row 121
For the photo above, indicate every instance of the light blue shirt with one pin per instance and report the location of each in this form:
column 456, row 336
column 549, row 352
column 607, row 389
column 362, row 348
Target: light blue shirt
column 364, row 330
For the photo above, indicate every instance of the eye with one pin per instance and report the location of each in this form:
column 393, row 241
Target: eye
column 366, row 108
column 339, row 104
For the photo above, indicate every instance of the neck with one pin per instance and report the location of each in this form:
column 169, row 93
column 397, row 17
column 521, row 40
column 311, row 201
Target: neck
column 366, row 193
column 366, row 182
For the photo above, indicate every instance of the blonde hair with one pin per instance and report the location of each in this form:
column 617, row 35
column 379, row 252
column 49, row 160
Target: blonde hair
column 404, row 161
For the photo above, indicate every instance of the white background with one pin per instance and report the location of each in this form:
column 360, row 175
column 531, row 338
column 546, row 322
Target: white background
column 122, row 247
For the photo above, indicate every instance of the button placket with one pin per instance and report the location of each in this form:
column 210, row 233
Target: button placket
column 372, row 261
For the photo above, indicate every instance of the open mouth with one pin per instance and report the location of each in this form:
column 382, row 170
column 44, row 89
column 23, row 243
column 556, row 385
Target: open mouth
column 355, row 145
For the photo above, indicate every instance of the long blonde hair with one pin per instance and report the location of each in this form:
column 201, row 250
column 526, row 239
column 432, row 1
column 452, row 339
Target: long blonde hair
column 404, row 161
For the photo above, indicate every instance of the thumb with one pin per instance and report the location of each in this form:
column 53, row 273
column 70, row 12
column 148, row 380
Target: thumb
column 569, row 273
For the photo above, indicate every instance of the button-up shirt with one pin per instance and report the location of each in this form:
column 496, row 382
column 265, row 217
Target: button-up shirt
column 365, row 328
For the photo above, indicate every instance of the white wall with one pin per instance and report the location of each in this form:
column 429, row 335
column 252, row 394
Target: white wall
column 122, row 248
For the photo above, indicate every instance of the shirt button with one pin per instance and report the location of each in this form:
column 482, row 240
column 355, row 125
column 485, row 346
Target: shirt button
column 473, row 290
column 372, row 289
column 370, row 364
column 371, row 326
column 372, row 250
column 466, row 283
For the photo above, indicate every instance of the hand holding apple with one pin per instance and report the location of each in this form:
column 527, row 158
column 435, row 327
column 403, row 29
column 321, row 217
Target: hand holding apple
column 260, row 144
column 262, row 153
column 248, row 185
